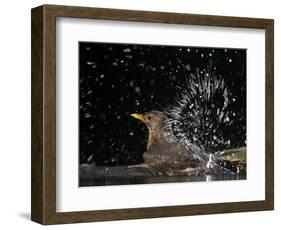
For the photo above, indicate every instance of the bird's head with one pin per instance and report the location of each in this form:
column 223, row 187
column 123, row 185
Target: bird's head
column 153, row 119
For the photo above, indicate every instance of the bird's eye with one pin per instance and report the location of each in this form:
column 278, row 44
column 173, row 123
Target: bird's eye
column 148, row 117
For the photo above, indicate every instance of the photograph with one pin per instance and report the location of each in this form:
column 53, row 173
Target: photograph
column 160, row 113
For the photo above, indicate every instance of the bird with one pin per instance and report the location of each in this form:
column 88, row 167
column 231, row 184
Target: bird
column 166, row 154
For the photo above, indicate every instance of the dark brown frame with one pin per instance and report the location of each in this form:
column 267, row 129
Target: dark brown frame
column 43, row 202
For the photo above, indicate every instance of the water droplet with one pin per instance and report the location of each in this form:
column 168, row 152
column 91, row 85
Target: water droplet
column 126, row 50
column 137, row 89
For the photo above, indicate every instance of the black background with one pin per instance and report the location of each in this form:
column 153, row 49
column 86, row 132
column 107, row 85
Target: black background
column 118, row 79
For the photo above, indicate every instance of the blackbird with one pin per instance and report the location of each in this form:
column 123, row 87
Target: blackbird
column 166, row 154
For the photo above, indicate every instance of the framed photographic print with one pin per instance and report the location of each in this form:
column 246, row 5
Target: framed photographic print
column 140, row 114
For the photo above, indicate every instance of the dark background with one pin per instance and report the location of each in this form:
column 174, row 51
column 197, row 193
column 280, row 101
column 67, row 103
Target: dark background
column 118, row 79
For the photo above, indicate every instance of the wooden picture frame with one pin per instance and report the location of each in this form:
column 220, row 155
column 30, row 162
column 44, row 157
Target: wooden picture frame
column 43, row 208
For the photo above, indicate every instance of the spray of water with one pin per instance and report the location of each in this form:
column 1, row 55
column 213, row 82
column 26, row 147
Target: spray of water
column 200, row 115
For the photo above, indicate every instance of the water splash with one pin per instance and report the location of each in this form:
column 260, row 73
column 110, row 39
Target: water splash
column 200, row 114
column 200, row 117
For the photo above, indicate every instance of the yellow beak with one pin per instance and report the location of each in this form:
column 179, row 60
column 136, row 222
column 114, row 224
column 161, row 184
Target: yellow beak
column 137, row 116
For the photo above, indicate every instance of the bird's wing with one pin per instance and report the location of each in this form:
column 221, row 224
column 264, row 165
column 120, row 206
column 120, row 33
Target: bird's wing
column 178, row 155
